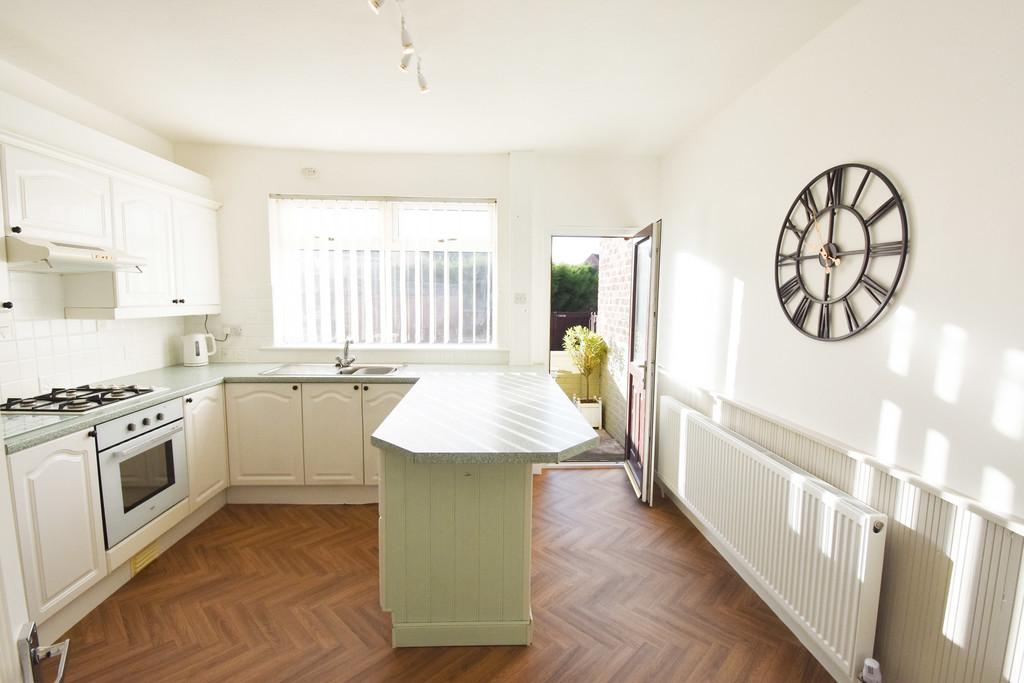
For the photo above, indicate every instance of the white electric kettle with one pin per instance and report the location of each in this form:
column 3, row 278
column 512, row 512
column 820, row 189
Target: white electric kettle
column 197, row 348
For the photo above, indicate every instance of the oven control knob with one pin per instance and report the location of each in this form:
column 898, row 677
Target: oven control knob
column 159, row 416
column 131, row 427
column 145, row 421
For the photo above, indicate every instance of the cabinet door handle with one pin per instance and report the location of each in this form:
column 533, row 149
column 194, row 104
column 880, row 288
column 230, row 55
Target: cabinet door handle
column 295, row 387
column 366, row 387
column 188, row 400
column 16, row 228
column 8, row 305
column 355, row 387
column 181, row 301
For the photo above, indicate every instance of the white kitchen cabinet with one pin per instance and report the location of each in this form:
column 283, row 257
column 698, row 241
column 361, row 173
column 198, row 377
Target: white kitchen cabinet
column 264, row 433
column 178, row 238
column 197, row 267
column 143, row 227
column 332, row 433
column 378, row 402
column 206, row 442
column 60, row 523
column 52, row 199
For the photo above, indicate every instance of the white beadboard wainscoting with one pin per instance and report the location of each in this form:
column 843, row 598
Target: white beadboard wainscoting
column 952, row 590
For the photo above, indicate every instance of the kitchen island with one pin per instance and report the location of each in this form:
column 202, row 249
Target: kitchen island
column 456, row 501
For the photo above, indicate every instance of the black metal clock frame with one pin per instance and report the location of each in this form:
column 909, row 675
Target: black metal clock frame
column 787, row 288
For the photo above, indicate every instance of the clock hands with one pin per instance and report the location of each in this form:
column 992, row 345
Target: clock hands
column 826, row 258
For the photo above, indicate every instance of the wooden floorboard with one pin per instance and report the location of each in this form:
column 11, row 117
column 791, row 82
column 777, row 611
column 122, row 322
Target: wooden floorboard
column 621, row 592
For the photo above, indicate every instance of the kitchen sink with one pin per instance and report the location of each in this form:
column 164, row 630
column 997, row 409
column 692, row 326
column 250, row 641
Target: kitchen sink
column 329, row 370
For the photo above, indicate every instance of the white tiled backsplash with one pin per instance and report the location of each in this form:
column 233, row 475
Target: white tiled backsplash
column 46, row 351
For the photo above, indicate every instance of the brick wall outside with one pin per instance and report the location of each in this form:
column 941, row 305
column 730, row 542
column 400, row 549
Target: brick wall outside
column 613, row 302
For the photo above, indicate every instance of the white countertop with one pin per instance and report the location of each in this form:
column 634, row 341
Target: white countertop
column 476, row 417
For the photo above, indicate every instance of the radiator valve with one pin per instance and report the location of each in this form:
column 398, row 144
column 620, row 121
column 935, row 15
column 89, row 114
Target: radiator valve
column 872, row 672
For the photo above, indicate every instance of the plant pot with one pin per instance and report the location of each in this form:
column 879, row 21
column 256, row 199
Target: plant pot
column 590, row 409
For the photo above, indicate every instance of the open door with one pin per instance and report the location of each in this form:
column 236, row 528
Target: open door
column 643, row 337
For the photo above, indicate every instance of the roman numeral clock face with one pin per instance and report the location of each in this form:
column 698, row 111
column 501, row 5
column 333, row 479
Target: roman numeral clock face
column 841, row 252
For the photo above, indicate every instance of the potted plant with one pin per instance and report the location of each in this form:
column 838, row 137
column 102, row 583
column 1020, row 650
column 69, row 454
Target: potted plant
column 586, row 350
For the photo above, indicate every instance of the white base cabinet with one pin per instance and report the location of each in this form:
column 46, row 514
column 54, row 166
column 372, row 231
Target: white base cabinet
column 313, row 434
column 332, row 429
column 206, row 442
column 378, row 402
column 60, row 523
column 265, row 434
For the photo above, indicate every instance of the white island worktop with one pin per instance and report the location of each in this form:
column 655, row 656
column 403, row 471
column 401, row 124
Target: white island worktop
column 485, row 418
column 456, row 500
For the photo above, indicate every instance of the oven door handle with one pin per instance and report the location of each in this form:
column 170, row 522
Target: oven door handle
column 156, row 437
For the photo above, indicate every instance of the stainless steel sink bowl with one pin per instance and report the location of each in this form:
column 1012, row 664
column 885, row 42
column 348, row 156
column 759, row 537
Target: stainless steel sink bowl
column 329, row 370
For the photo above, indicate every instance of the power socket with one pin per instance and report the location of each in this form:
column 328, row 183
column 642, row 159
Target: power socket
column 233, row 330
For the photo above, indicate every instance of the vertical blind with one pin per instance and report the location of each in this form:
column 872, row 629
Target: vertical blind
column 382, row 271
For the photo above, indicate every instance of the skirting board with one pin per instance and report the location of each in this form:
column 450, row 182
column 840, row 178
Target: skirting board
column 462, row 633
column 303, row 495
column 61, row 622
column 794, row 627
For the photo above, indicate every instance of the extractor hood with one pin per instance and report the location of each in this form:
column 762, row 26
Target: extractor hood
column 42, row 256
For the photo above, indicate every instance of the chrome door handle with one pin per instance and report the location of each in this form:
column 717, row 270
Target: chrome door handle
column 32, row 655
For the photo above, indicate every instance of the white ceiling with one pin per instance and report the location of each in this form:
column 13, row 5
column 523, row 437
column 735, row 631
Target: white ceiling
column 567, row 75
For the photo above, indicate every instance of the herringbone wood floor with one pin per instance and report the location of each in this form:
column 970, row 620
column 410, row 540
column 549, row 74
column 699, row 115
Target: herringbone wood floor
column 289, row 593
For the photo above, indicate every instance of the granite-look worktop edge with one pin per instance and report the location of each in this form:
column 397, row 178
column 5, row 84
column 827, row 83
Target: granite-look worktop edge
column 179, row 380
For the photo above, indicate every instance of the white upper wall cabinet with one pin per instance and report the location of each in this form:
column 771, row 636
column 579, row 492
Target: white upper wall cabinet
column 62, row 200
column 143, row 227
column 55, row 200
column 197, row 265
column 178, row 239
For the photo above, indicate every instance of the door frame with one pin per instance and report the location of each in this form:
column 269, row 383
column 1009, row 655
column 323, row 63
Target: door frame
column 645, row 489
column 544, row 262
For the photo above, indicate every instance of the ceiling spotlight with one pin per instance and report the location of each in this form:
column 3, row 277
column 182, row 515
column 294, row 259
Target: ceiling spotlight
column 424, row 88
column 403, row 65
column 407, row 47
column 375, row 5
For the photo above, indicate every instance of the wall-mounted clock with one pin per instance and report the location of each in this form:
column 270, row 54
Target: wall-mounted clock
column 841, row 252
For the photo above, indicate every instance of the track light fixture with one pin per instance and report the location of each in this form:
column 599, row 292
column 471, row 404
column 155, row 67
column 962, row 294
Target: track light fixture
column 408, row 50
column 424, row 88
column 407, row 47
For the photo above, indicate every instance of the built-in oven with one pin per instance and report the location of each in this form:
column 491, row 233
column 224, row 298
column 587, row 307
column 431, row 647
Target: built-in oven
column 143, row 469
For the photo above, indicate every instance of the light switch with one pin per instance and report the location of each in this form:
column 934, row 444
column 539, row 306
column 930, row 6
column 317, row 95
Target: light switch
column 519, row 298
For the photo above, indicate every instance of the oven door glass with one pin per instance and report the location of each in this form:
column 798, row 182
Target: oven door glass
column 146, row 474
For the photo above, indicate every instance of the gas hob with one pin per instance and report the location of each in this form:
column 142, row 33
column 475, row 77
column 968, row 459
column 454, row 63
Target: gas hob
column 74, row 400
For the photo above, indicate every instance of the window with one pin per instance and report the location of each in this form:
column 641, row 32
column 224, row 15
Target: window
column 382, row 271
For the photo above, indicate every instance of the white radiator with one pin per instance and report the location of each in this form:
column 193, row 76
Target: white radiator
column 813, row 553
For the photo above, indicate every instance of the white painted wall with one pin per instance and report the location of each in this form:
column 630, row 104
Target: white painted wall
column 55, row 100
column 535, row 195
column 582, row 195
column 926, row 92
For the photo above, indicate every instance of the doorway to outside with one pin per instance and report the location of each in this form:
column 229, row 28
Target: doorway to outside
column 591, row 279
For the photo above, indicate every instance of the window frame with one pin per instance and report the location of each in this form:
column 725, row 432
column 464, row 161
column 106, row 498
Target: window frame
column 389, row 242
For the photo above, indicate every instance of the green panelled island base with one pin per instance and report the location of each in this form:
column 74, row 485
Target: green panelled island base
column 455, row 551
column 455, row 503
